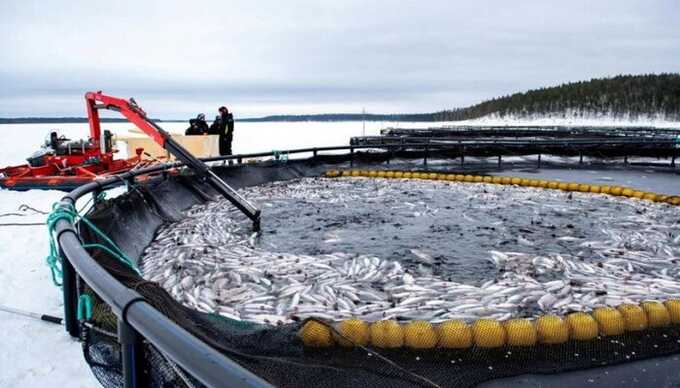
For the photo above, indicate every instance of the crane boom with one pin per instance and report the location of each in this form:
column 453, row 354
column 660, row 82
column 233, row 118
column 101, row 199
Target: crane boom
column 136, row 115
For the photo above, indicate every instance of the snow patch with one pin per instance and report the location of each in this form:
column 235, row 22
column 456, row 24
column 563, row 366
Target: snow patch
column 573, row 118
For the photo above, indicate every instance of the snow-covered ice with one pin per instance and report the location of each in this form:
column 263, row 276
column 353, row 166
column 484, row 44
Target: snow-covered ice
column 33, row 353
column 571, row 119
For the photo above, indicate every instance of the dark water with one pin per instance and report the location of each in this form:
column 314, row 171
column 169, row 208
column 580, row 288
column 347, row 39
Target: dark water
column 644, row 179
column 440, row 228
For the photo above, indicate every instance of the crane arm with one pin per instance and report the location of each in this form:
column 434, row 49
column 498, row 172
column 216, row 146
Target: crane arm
column 136, row 115
column 129, row 109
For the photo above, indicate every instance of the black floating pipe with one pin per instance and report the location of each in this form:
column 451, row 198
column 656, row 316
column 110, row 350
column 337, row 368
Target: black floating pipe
column 68, row 286
column 204, row 172
column 132, row 354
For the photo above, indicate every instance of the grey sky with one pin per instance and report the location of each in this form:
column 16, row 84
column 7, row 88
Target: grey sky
column 266, row 57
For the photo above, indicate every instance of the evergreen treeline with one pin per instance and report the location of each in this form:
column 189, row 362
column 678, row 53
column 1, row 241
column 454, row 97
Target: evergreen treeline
column 626, row 96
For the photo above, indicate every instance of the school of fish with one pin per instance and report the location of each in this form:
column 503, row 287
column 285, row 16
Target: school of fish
column 211, row 261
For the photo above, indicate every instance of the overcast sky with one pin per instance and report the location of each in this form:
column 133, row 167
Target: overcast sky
column 178, row 58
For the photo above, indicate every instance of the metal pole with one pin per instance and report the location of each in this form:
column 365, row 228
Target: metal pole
column 351, row 156
column 132, row 353
column 30, row 314
column 462, row 156
column 580, row 158
column 539, row 160
column 500, row 161
column 427, row 149
column 70, row 296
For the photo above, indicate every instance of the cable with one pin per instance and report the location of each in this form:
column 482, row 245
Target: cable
column 100, row 330
column 24, row 207
column 12, row 214
column 378, row 355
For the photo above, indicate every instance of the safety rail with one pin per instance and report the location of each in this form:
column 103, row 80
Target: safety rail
column 407, row 139
column 452, row 146
column 533, row 130
column 138, row 320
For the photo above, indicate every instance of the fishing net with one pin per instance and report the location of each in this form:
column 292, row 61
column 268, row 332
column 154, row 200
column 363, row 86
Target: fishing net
column 354, row 353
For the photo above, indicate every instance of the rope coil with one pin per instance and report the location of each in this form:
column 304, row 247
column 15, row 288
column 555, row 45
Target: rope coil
column 67, row 212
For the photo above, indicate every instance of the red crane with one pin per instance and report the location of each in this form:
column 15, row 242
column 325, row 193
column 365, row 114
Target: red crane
column 67, row 165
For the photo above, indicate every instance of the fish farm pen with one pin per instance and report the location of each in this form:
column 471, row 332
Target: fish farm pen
column 417, row 263
column 533, row 131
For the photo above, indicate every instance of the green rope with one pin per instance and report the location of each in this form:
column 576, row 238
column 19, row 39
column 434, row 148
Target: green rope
column 68, row 213
column 84, row 308
column 53, row 259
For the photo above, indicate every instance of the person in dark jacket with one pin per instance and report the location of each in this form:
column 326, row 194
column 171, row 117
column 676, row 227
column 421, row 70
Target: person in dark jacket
column 224, row 127
column 197, row 126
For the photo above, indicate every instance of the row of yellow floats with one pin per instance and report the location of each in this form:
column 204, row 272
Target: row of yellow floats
column 507, row 180
column 489, row 333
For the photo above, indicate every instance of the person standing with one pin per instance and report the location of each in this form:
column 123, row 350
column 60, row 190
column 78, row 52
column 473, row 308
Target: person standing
column 224, row 127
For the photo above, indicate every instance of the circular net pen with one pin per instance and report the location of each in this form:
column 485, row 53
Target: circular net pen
column 399, row 265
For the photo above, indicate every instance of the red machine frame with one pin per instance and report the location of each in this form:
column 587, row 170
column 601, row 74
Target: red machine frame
column 83, row 165
column 129, row 109
column 65, row 172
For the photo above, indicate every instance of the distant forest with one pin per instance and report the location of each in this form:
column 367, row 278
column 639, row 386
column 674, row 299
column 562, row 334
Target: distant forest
column 624, row 96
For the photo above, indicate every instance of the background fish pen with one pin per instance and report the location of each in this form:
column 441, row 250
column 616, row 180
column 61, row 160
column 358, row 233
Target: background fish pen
column 278, row 354
column 545, row 132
